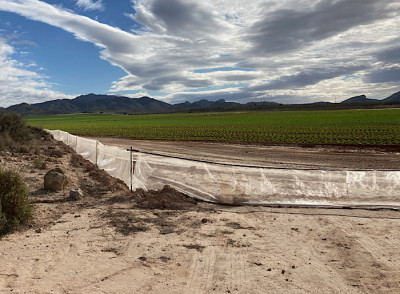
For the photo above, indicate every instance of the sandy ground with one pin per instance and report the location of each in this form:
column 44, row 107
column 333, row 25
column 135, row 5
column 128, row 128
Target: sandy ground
column 113, row 241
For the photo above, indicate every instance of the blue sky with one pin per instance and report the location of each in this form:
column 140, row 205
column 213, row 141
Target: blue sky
column 286, row 51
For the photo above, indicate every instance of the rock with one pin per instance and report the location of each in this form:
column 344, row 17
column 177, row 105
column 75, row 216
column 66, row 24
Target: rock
column 76, row 194
column 55, row 179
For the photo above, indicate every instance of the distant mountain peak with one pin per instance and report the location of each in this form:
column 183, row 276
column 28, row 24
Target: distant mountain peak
column 393, row 98
column 359, row 99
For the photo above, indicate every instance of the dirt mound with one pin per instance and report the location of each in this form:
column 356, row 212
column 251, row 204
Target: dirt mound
column 166, row 198
column 107, row 182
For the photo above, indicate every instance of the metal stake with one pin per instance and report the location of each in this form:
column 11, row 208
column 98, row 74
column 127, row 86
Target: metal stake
column 131, row 165
column 96, row 150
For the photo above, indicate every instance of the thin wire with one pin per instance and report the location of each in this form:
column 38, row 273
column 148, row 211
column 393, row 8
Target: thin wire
column 253, row 166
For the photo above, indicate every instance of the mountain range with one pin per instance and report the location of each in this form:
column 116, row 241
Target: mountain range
column 93, row 103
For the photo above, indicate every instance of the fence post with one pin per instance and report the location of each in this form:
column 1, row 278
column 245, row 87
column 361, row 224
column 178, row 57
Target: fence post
column 131, row 166
column 96, row 151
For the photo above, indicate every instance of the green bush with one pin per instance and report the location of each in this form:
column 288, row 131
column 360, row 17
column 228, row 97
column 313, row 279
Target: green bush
column 15, row 206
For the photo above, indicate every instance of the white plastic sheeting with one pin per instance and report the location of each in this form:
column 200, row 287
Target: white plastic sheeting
column 235, row 184
column 114, row 161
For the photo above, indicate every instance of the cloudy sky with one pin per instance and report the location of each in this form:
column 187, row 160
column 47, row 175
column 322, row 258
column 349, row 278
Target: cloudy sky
column 288, row 51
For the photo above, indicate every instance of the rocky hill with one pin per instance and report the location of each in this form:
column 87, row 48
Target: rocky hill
column 393, row 98
column 92, row 104
column 359, row 99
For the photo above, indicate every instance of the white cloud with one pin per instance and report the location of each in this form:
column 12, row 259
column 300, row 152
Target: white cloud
column 295, row 47
column 21, row 85
column 90, row 5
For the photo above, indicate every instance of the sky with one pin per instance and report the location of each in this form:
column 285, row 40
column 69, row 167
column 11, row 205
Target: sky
column 286, row 51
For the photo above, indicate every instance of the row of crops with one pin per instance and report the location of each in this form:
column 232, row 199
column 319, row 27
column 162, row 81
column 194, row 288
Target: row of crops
column 361, row 127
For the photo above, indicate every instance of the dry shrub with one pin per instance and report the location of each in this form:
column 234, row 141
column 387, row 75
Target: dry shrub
column 15, row 206
column 16, row 136
column 6, row 143
column 13, row 125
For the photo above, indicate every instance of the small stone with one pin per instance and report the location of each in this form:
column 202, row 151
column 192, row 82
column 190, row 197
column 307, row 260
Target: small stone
column 76, row 194
column 164, row 258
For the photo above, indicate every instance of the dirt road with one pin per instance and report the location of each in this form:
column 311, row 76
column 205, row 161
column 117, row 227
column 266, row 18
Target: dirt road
column 281, row 156
column 208, row 250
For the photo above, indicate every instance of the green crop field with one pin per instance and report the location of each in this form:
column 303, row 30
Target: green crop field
column 363, row 127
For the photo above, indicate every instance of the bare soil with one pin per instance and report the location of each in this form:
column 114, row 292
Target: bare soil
column 346, row 157
column 114, row 241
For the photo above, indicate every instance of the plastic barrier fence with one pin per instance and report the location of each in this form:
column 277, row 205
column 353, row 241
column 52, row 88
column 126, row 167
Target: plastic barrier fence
column 236, row 184
column 114, row 161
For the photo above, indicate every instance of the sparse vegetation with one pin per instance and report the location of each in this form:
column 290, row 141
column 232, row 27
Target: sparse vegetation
column 15, row 206
column 39, row 163
column 14, row 127
column 16, row 136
